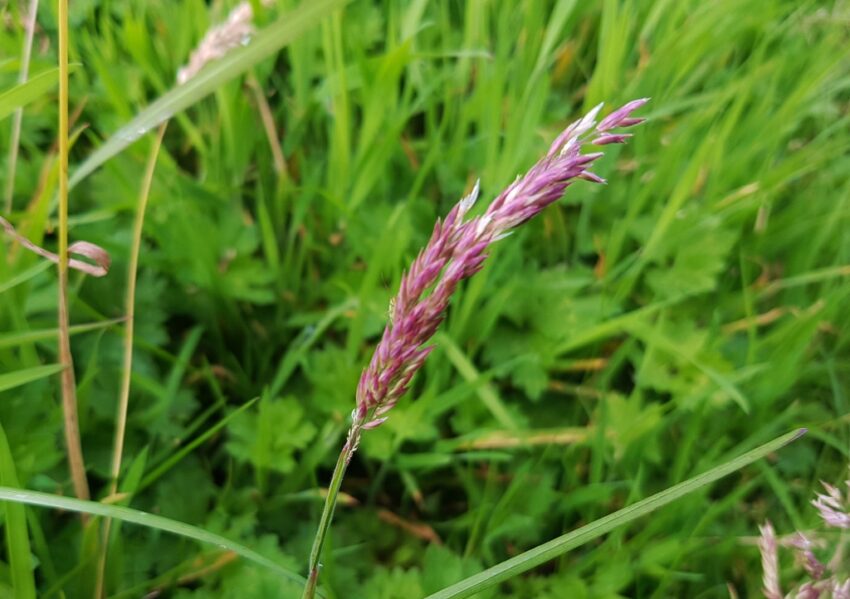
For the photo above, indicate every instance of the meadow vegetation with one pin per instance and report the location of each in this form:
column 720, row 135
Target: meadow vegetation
column 633, row 336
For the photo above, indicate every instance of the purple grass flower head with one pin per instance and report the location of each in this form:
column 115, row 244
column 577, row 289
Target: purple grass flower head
column 806, row 556
column 457, row 250
column 622, row 116
column 604, row 140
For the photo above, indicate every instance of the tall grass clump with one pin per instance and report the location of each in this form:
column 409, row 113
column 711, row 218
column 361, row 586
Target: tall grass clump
column 216, row 44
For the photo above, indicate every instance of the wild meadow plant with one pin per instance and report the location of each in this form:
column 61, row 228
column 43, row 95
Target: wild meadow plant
column 827, row 578
column 234, row 32
column 457, row 250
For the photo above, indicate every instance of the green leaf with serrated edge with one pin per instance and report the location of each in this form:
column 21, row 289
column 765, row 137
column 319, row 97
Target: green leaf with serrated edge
column 556, row 547
column 174, row 458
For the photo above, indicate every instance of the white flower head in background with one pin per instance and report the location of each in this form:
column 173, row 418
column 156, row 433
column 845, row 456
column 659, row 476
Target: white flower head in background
column 827, row 579
column 236, row 31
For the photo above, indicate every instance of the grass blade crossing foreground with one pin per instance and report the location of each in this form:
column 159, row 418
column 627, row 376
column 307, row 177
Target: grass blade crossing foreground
column 24, row 93
column 16, row 339
column 556, row 547
column 270, row 40
column 27, row 375
column 17, row 541
column 126, row 514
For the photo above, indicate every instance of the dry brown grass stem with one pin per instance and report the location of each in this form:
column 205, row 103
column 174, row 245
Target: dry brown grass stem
column 76, row 462
column 267, row 118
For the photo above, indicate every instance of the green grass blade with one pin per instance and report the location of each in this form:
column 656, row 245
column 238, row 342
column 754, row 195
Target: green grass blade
column 35, row 269
column 556, row 547
column 174, row 458
column 27, row 375
column 488, row 394
column 17, row 540
column 277, row 35
column 299, row 347
column 17, row 339
column 126, row 514
column 24, row 93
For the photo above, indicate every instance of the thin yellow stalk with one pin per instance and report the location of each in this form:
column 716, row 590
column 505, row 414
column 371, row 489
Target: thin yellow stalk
column 19, row 113
column 127, row 366
column 69, row 395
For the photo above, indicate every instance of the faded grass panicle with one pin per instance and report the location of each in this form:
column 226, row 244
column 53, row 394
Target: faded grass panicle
column 827, row 580
column 219, row 40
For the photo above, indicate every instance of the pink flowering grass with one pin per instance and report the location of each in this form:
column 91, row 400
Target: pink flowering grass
column 458, row 247
column 457, row 250
column 826, row 580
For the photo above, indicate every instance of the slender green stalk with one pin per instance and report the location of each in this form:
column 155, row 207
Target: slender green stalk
column 127, row 366
column 328, row 511
column 129, row 309
column 23, row 75
column 69, row 395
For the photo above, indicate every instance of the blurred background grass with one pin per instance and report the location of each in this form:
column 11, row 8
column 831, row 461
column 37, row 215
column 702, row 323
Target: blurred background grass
column 633, row 336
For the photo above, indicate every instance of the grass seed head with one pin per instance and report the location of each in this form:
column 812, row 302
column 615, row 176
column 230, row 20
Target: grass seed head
column 457, row 250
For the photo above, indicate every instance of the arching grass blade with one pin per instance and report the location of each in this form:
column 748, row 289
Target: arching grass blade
column 556, row 547
column 126, row 514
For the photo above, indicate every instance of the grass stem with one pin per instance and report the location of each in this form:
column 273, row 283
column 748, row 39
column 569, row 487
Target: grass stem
column 68, row 384
column 127, row 366
column 328, row 511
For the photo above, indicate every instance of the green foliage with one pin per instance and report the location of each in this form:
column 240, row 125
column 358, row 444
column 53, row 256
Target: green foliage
column 24, row 93
column 270, row 437
column 547, row 551
column 634, row 336
column 17, row 541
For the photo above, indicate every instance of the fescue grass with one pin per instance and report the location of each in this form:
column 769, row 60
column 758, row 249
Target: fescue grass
column 634, row 337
